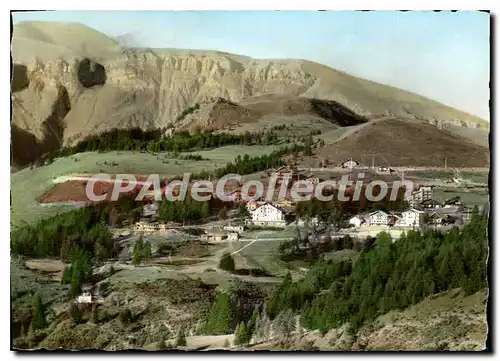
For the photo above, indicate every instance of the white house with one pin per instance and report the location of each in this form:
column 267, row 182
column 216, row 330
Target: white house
column 145, row 227
column 85, row 297
column 435, row 218
column 379, row 218
column 384, row 170
column 268, row 215
column 411, row 218
column 357, row 220
column 214, row 236
column 237, row 229
column 349, row 163
column 233, row 236
column 424, row 193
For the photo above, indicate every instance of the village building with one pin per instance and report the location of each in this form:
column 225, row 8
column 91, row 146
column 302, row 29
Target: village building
column 85, row 297
column 315, row 180
column 349, row 163
column 424, row 193
column 385, row 170
column 253, row 205
column 233, row 236
column 435, row 219
column 280, row 173
column 379, row 218
column 411, row 218
column 143, row 226
column 357, row 220
column 430, row 204
column 454, row 201
column 268, row 215
column 292, row 173
column 214, row 236
column 233, row 228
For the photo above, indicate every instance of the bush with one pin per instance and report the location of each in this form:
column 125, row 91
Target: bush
column 76, row 313
column 125, row 316
column 227, row 262
column 164, row 346
column 181, row 339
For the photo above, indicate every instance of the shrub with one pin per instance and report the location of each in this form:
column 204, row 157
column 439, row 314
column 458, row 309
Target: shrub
column 227, row 262
column 125, row 316
column 181, row 339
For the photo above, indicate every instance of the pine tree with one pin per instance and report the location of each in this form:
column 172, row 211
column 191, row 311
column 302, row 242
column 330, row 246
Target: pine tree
column 146, row 251
column 227, row 262
column 241, row 334
column 181, row 339
column 205, row 210
column 76, row 284
column 252, row 323
column 39, row 320
column 219, row 319
column 66, row 249
column 243, row 211
column 223, row 213
column 137, row 254
column 31, row 336
column 76, row 313
column 93, row 316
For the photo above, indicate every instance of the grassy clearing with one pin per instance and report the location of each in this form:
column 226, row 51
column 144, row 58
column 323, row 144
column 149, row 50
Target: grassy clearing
column 332, row 136
column 53, row 267
column 25, row 284
column 477, row 177
column 263, row 255
column 469, row 198
column 143, row 274
column 28, row 184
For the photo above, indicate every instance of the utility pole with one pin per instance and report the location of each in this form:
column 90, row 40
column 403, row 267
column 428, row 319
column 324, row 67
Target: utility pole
column 445, row 163
column 373, row 162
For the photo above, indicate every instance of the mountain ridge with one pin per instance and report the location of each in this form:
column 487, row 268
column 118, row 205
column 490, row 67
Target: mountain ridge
column 149, row 88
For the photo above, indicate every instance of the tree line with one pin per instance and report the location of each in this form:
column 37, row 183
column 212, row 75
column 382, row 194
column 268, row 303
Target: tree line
column 156, row 141
column 187, row 210
column 391, row 275
column 85, row 228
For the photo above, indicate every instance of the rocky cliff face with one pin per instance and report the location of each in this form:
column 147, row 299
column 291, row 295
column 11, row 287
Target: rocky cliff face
column 109, row 86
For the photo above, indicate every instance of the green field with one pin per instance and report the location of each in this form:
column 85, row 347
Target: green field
column 476, row 177
column 470, row 199
column 264, row 254
column 27, row 184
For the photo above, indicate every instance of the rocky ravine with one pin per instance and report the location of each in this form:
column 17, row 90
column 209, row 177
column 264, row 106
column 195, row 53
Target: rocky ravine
column 109, row 86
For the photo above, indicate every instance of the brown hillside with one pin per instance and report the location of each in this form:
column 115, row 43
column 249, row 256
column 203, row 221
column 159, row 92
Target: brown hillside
column 404, row 143
column 269, row 110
